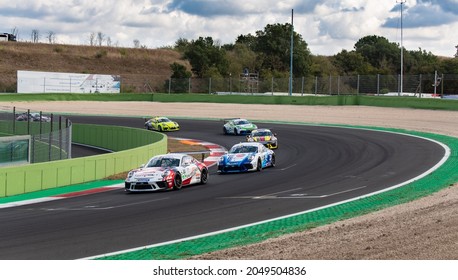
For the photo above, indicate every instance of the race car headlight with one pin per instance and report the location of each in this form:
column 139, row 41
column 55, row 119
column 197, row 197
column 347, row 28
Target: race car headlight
column 251, row 157
column 130, row 174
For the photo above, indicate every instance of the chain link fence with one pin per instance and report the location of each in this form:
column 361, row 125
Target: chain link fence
column 32, row 137
column 442, row 84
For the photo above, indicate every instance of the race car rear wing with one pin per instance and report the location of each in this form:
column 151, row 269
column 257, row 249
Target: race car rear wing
column 229, row 119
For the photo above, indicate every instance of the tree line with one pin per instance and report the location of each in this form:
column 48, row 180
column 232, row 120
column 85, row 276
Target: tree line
column 267, row 53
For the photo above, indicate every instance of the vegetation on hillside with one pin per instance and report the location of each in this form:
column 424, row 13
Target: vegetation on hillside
column 135, row 65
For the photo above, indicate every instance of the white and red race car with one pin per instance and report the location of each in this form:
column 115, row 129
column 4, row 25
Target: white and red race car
column 167, row 172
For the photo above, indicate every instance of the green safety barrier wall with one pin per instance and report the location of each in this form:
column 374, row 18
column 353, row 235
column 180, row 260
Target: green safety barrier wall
column 343, row 99
column 135, row 146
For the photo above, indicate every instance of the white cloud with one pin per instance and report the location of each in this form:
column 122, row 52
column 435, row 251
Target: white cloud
column 328, row 26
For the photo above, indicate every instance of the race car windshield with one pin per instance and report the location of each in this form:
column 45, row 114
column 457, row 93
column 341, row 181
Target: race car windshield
column 163, row 120
column 241, row 122
column 243, row 150
column 261, row 133
column 164, row 162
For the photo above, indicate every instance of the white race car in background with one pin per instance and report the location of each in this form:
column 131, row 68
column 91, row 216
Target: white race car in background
column 246, row 156
column 167, row 172
column 238, row 126
column 33, row 117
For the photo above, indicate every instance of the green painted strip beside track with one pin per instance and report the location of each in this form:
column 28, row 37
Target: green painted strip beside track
column 443, row 177
column 59, row 191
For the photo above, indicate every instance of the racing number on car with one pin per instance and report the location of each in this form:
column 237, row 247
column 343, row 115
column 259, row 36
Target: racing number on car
column 189, row 169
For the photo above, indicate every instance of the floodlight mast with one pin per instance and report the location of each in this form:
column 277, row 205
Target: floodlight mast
column 291, row 56
column 401, row 2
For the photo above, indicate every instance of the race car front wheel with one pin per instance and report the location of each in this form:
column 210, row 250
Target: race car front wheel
column 259, row 165
column 272, row 161
column 204, row 176
column 177, row 182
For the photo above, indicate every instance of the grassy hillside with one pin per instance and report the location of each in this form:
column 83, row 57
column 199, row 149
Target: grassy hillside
column 136, row 66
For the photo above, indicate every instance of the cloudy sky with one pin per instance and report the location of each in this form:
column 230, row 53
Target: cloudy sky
column 328, row 26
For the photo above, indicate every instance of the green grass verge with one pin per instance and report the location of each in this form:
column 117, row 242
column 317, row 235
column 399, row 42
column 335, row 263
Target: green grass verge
column 442, row 178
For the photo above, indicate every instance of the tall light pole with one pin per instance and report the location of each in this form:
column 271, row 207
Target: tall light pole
column 291, row 56
column 402, row 49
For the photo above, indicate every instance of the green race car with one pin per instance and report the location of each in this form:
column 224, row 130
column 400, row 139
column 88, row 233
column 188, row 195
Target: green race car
column 161, row 124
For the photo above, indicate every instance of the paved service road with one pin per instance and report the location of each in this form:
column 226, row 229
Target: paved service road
column 316, row 166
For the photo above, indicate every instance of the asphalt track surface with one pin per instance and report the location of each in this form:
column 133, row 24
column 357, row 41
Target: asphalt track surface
column 316, row 166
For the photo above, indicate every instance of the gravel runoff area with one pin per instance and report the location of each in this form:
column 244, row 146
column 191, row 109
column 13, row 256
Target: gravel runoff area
column 424, row 229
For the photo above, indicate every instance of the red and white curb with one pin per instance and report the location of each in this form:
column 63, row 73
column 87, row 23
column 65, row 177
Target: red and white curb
column 215, row 152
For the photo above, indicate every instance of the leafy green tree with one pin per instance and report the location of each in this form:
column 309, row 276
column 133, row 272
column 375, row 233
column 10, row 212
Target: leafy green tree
column 380, row 53
column 322, row 66
column 273, row 47
column 179, row 71
column 420, row 62
column 248, row 40
column 351, row 63
column 181, row 45
column 180, row 78
column 449, row 66
column 203, row 54
column 241, row 57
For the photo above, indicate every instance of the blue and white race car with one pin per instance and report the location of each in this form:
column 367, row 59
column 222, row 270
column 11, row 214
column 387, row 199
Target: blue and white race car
column 247, row 156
